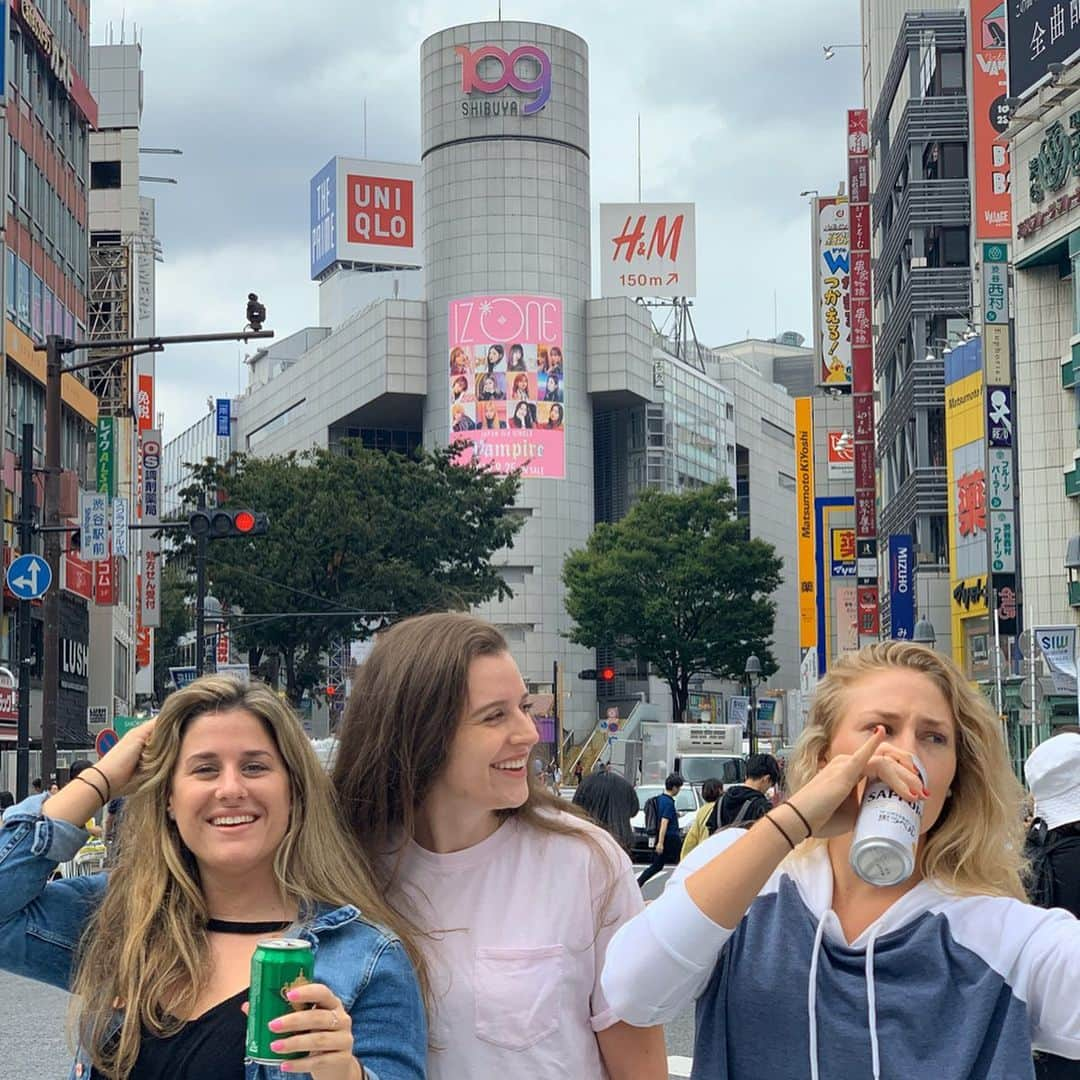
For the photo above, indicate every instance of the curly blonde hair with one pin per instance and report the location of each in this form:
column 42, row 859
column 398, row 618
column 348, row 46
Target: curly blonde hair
column 975, row 848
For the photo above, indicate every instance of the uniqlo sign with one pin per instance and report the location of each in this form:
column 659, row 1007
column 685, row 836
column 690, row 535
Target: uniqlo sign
column 379, row 210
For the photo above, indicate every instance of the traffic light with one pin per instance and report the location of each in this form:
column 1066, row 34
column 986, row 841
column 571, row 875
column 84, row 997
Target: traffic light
column 607, row 674
column 588, row 673
column 256, row 312
column 216, row 524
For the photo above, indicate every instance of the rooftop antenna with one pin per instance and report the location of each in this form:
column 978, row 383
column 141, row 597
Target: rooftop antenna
column 639, row 157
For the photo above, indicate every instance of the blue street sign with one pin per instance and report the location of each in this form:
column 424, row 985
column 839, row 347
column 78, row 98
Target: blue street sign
column 29, row 577
column 105, row 741
column 224, row 417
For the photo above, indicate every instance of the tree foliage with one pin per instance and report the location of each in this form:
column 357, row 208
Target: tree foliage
column 677, row 583
column 351, row 531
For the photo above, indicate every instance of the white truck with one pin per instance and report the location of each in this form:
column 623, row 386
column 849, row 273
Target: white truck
column 695, row 751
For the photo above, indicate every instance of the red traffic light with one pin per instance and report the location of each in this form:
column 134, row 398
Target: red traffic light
column 244, row 521
column 607, row 674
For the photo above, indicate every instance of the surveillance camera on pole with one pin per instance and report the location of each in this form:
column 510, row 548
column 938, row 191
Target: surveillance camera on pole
column 256, row 312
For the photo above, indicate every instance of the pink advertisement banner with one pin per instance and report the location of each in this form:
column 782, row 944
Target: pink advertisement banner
column 507, row 383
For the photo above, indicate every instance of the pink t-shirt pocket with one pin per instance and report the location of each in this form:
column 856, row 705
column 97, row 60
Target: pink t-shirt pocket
column 518, row 995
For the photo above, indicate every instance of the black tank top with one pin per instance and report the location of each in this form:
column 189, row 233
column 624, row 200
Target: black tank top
column 210, row 1047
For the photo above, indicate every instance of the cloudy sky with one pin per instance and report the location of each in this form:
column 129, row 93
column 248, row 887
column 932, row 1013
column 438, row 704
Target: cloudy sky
column 739, row 113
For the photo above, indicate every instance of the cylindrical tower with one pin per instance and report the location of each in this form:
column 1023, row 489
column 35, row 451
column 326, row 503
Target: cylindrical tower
column 505, row 151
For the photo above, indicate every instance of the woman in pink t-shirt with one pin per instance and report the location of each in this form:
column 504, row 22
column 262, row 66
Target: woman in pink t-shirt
column 515, row 896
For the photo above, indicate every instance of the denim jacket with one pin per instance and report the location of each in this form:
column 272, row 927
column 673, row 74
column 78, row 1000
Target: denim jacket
column 365, row 966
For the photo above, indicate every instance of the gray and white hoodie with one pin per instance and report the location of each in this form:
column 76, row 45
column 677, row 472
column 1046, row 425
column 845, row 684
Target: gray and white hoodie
column 941, row 986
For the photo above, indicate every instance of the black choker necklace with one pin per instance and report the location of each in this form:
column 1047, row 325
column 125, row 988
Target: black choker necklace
column 224, row 926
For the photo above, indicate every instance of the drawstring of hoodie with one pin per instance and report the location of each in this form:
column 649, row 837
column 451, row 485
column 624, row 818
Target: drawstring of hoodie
column 871, row 1005
column 812, row 994
column 871, row 1000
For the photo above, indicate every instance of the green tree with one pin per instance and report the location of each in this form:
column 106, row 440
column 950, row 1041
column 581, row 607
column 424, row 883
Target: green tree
column 351, row 530
column 177, row 620
column 677, row 583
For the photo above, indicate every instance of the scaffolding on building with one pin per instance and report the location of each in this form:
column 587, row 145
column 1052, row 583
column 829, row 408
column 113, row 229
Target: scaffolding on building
column 676, row 328
column 108, row 304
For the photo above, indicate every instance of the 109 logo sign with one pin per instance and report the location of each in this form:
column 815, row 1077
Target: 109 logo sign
column 509, row 77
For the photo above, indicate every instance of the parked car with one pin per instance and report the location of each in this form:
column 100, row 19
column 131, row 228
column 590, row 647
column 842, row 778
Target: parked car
column 687, row 803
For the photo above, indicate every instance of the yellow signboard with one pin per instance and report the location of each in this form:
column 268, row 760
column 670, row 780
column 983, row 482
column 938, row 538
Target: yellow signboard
column 804, row 503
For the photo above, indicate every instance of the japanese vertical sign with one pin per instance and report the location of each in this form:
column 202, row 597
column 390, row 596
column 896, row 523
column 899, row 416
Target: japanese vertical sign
column 1000, row 435
column 106, row 455
column 507, row 383
column 804, row 518
column 1041, row 32
column 901, row 587
column 151, row 557
column 120, row 545
column 832, row 290
column 992, row 219
column 862, row 374
column 94, row 523
column 223, row 417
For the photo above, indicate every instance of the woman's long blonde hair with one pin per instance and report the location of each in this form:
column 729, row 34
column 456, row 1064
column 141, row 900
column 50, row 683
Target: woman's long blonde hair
column 146, row 948
column 976, row 845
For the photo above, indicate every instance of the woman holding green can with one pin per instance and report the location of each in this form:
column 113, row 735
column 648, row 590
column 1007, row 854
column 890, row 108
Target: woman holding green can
column 231, row 837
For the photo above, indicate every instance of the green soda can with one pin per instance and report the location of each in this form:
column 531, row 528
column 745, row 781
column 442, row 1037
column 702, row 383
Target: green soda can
column 278, row 966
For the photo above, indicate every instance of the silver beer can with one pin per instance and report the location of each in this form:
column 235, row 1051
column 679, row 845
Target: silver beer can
column 887, row 833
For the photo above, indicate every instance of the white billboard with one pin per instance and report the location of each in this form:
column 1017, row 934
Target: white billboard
column 365, row 212
column 647, row 249
column 832, row 289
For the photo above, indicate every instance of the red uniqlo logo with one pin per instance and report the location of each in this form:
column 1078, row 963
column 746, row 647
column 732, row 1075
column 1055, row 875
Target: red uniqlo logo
column 379, row 210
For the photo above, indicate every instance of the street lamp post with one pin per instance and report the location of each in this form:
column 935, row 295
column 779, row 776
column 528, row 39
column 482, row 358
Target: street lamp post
column 753, row 676
column 924, row 634
column 55, row 349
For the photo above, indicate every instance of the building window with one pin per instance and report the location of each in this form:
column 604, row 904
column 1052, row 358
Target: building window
column 774, row 431
column 104, row 174
column 120, row 670
column 949, row 247
column 950, row 70
column 946, row 161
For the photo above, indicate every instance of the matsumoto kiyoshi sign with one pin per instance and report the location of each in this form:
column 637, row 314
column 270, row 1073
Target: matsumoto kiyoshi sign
column 490, row 70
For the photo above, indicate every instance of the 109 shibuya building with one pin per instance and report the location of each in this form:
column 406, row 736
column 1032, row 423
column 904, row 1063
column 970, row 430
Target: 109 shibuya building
column 456, row 303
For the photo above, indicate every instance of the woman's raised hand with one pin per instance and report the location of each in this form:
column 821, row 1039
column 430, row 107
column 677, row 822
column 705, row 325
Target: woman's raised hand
column 830, row 801
column 121, row 763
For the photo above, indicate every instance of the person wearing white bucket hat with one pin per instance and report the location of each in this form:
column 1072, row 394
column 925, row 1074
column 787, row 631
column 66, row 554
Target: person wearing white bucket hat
column 1052, row 772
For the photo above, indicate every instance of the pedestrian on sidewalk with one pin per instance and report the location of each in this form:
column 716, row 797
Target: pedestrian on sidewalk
column 231, row 834
column 668, row 845
column 514, row 893
column 744, row 803
column 610, row 800
column 579, row 774
column 1052, row 771
column 801, row 968
column 705, row 820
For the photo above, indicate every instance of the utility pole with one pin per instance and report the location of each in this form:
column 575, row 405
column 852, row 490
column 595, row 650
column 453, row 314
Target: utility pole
column 55, row 349
column 200, row 594
column 26, row 664
column 50, row 687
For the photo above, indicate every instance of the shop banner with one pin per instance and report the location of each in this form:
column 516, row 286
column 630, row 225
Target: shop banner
column 151, row 473
column 105, row 583
column 842, row 564
column 106, row 455
column 901, row 586
column 507, row 384
column 94, row 524
column 647, row 249
column 845, row 597
column 804, row 515
column 841, row 455
column 832, row 285
column 989, row 119
column 1058, row 647
column 1040, row 33
column 120, row 543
